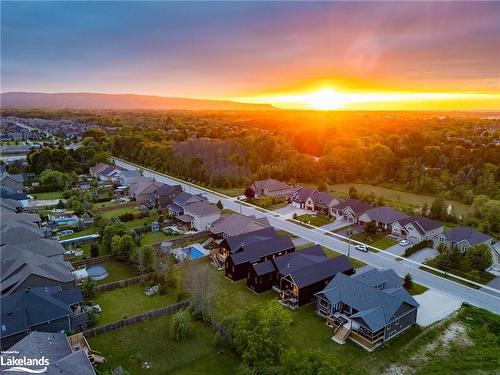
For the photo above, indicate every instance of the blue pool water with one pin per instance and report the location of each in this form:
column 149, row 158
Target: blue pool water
column 195, row 253
column 97, row 272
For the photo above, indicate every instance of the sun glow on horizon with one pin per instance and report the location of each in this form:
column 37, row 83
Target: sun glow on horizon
column 329, row 99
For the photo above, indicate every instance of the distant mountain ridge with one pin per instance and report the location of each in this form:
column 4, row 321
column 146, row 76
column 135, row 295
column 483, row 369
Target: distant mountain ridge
column 118, row 101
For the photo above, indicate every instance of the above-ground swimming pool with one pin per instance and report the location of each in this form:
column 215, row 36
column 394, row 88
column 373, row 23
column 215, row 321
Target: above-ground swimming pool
column 97, row 272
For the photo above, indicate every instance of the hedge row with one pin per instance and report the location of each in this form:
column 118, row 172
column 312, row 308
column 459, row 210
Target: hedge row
column 418, row 246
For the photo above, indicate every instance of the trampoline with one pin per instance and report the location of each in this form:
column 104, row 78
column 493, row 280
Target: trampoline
column 97, row 272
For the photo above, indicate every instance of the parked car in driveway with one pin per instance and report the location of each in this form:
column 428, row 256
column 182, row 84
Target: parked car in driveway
column 404, row 243
column 361, row 248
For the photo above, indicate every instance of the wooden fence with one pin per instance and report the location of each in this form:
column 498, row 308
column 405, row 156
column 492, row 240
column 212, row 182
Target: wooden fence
column 125, row 283
column 136, row 319
column 184, row 240
column 91, row 261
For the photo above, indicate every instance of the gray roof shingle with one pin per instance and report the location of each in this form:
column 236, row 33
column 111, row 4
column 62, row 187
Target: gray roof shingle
column 473, row 237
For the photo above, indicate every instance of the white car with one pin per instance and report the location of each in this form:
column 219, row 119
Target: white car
column 361, row 248
column 404, row 243
column 66, row 232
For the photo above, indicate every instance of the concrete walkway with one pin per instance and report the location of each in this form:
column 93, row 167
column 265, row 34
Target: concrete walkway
column 422, row 255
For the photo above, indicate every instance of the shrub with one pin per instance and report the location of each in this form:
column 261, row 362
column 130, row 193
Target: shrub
column 181, row 325
column 129, row 216
column 94, row 250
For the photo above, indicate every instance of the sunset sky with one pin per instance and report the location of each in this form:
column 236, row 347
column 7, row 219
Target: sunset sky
column 311, row 55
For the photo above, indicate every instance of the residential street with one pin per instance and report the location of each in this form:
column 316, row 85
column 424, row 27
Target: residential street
column 489, row 300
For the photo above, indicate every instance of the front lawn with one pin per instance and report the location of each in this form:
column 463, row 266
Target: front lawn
column 463, row 269
column 379, row 240
column 126, row 302
column 269, row 203
column 150, row 342
column 316, row 220
column 417, row 289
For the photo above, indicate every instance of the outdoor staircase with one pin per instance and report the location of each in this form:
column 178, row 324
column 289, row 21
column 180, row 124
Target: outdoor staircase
column 216, row 262
column 341, row 335
column 207, row 242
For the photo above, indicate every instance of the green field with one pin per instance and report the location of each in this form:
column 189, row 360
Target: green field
column 86, row 231
column 399, row 199
column 117, row 211
column 150, row 342
column 153, row 238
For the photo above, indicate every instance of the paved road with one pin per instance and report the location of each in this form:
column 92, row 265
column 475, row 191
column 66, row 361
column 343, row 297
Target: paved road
column 489, row 301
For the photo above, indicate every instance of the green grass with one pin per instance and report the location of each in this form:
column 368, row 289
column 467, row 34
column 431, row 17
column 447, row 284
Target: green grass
column 117, row 271
column 417, row 289
column 231, row 192
column 150, row 342
column 268, row 203
column 399, row 199
column 153, row 238
column 463, row 270
column 86, row 231
column 126, row 302
column 115, row 212
column 315, row 220
column 379, row 240
column 50, row 195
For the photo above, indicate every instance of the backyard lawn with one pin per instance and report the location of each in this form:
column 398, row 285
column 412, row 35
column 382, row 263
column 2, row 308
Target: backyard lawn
column 316, row 220
column 153, row 238
column 126, row 302
column 86, row 231
column 150, row 342
column 379, row 240
column 117, row 211
column 50, row 195
column 117, row 271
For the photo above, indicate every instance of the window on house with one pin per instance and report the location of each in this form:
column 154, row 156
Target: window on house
column 396, row 322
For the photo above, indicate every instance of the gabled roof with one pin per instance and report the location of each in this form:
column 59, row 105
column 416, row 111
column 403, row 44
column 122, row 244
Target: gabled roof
column 15, row 177
column 253, row 252
column 139, row 184
column 357, row 206
column 270, row 184
column 320, row 271
column 33, row 306
column 7, row 217
column 234, row 224
column 167, row 189
column 17, row 265
column 8, row 193
column 108, row 171
column 9, row 205
column 385, row 215
column 57, row 349
column 18, row 231
column 421, row 223
column 376, row 307
column 373, row 277
column 236, row 242
column 322, row 198
column 302, row 194
column 40, row 246
column 294, row 261
column 201, row 209
column 473, row 237
column 184, row 197
column 99, row 167
column 130, row 173
column 264, row 268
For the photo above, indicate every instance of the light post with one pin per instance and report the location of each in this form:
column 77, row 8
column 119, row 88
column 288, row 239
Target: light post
column 349, row 241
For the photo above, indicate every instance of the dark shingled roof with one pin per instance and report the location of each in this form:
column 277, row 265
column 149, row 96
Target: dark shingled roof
column 421, row 223
column 264, row 268
column 319, row 271
column 236, row 242
column 385, row 215
column 473, row 237
column 166, row 189
column 302, row 194
column 292, row 262
column 256, row 250
column 356, row 205
column 57, row 349
column 376, row 307
column 33, row 306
